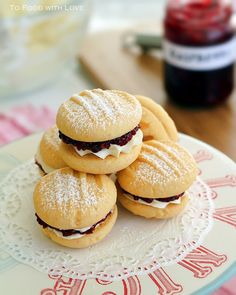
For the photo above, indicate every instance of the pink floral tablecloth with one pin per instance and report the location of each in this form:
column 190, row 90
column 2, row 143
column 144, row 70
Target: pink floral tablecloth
column 24, row 120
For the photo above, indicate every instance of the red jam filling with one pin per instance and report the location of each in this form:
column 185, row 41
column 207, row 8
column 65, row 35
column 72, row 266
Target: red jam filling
column 70, row 232
column 99, row 145
column 149, row 200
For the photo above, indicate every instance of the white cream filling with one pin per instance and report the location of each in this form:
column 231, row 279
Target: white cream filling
column 154, row 203
column 75, row 236
column 39, row 159
column 114, row 149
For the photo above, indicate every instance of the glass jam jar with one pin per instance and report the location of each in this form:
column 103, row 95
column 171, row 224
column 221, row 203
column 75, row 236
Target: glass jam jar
column 199, row 51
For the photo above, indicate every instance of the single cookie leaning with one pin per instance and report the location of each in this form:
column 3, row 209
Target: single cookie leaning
column 155, row 185
column 99, row 131
column 75, row 209
column 48, row 157
column 156, row 123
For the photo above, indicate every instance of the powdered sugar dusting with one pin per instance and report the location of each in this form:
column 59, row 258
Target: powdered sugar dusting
column 99, row 109
column 147, row 174
column 153, row 162
column 87, row 107
column 159, row 166
column 175, row 153
column 51, row 138
column 101, row 103
column 65, row 190
column 110, row 97
column 89, row 190
column 185, row 160
column 166, row 159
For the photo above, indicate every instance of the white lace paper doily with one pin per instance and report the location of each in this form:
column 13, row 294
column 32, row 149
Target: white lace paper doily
column 134, row 246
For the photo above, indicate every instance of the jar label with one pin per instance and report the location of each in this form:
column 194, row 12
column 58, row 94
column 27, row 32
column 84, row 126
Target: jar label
column 200, row 58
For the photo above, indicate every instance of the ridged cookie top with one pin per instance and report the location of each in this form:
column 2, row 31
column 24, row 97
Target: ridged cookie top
column 66, row 199
column 163, row 169
column 98, row 115
column 156, row 123
column 49, row 148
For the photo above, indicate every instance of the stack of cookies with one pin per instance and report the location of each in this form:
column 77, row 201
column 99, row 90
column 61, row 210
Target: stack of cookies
column 99, row 134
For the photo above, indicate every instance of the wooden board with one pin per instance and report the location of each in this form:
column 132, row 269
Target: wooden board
column 112, row 67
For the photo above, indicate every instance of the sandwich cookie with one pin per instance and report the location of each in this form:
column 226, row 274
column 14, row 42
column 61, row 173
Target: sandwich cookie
column 75, row 209
column 48, row 157
column 155, row 185
column 100, row 131
column 156, row 123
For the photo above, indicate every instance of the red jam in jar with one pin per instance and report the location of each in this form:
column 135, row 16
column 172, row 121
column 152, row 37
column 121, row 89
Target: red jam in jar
column 199, row 50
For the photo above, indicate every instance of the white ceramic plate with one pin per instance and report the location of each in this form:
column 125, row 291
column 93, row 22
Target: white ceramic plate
column 202, row 271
